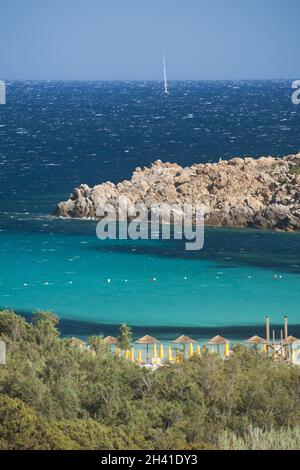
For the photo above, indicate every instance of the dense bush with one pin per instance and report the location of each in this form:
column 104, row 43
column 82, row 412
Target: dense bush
column 256, row 439
column 54, row 396
column 21, row 428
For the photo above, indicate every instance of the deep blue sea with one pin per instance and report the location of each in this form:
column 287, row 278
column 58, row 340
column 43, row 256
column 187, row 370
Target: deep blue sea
column 56, row 135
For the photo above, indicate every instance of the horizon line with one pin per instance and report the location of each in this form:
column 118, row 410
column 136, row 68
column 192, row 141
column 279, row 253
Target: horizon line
column 140, row 80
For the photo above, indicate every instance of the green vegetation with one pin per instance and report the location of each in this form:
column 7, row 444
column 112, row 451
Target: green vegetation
column 125, row 337
column 55, row 396
column 257, row 439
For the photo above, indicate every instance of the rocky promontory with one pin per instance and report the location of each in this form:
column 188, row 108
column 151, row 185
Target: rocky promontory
column 241, row 192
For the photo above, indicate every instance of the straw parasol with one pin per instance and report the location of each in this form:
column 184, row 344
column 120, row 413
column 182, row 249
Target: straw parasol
column 256, row 340
column 184, row 340
column 288, row 343
column 217, row 340
column 290, row 340
column 111, row 340
column 147, row 340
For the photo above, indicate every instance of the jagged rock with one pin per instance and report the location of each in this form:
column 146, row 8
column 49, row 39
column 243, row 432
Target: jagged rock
column 240, row 192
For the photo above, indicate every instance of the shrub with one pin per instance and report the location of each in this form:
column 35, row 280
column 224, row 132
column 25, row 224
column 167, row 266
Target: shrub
column 57, row 396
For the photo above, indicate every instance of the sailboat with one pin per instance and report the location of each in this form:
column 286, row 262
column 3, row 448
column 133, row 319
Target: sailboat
column 166, row 91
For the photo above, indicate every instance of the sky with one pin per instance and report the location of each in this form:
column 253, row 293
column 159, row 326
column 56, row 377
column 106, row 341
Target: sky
column 125, row 39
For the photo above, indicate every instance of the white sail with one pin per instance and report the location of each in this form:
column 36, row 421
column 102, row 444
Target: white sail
column 166, row 91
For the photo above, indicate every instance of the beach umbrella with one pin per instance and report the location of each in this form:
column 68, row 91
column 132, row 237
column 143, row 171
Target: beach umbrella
column 184, row 340
column 288, row 343
column 191, row 350
column 161, row 351
column 290, row 340
column 170, row 357
column 226, row 352
column 198, row 350
column 256, row 340
column 292, row 356
column 132, row 354
column 154, row 351
column 139, row 358
column 264, row 348
column 147, row 340
column 118, row 351
column 111, row 341
column 217, row 340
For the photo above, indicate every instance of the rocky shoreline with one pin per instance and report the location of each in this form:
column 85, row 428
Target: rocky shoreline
column 241, row 192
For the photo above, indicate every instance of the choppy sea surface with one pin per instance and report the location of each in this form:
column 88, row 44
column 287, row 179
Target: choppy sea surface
column 56, row 135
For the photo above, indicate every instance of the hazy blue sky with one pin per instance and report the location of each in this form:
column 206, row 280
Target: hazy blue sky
column 124, row 39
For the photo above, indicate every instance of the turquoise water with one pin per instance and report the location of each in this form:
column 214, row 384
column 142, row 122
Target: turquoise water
column 237, row 279
column 55, row 135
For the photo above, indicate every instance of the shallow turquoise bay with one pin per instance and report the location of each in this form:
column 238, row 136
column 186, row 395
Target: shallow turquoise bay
column 238, row 278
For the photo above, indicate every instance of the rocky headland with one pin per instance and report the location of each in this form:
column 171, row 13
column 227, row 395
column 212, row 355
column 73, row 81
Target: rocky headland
column 241, row 192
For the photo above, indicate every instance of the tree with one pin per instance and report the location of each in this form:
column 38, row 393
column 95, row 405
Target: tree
column 22, row 429
column 45, row 328
column 12, row 325
column 87, row 433
column 125, row 336
column 97, row 343
column 51, row 318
